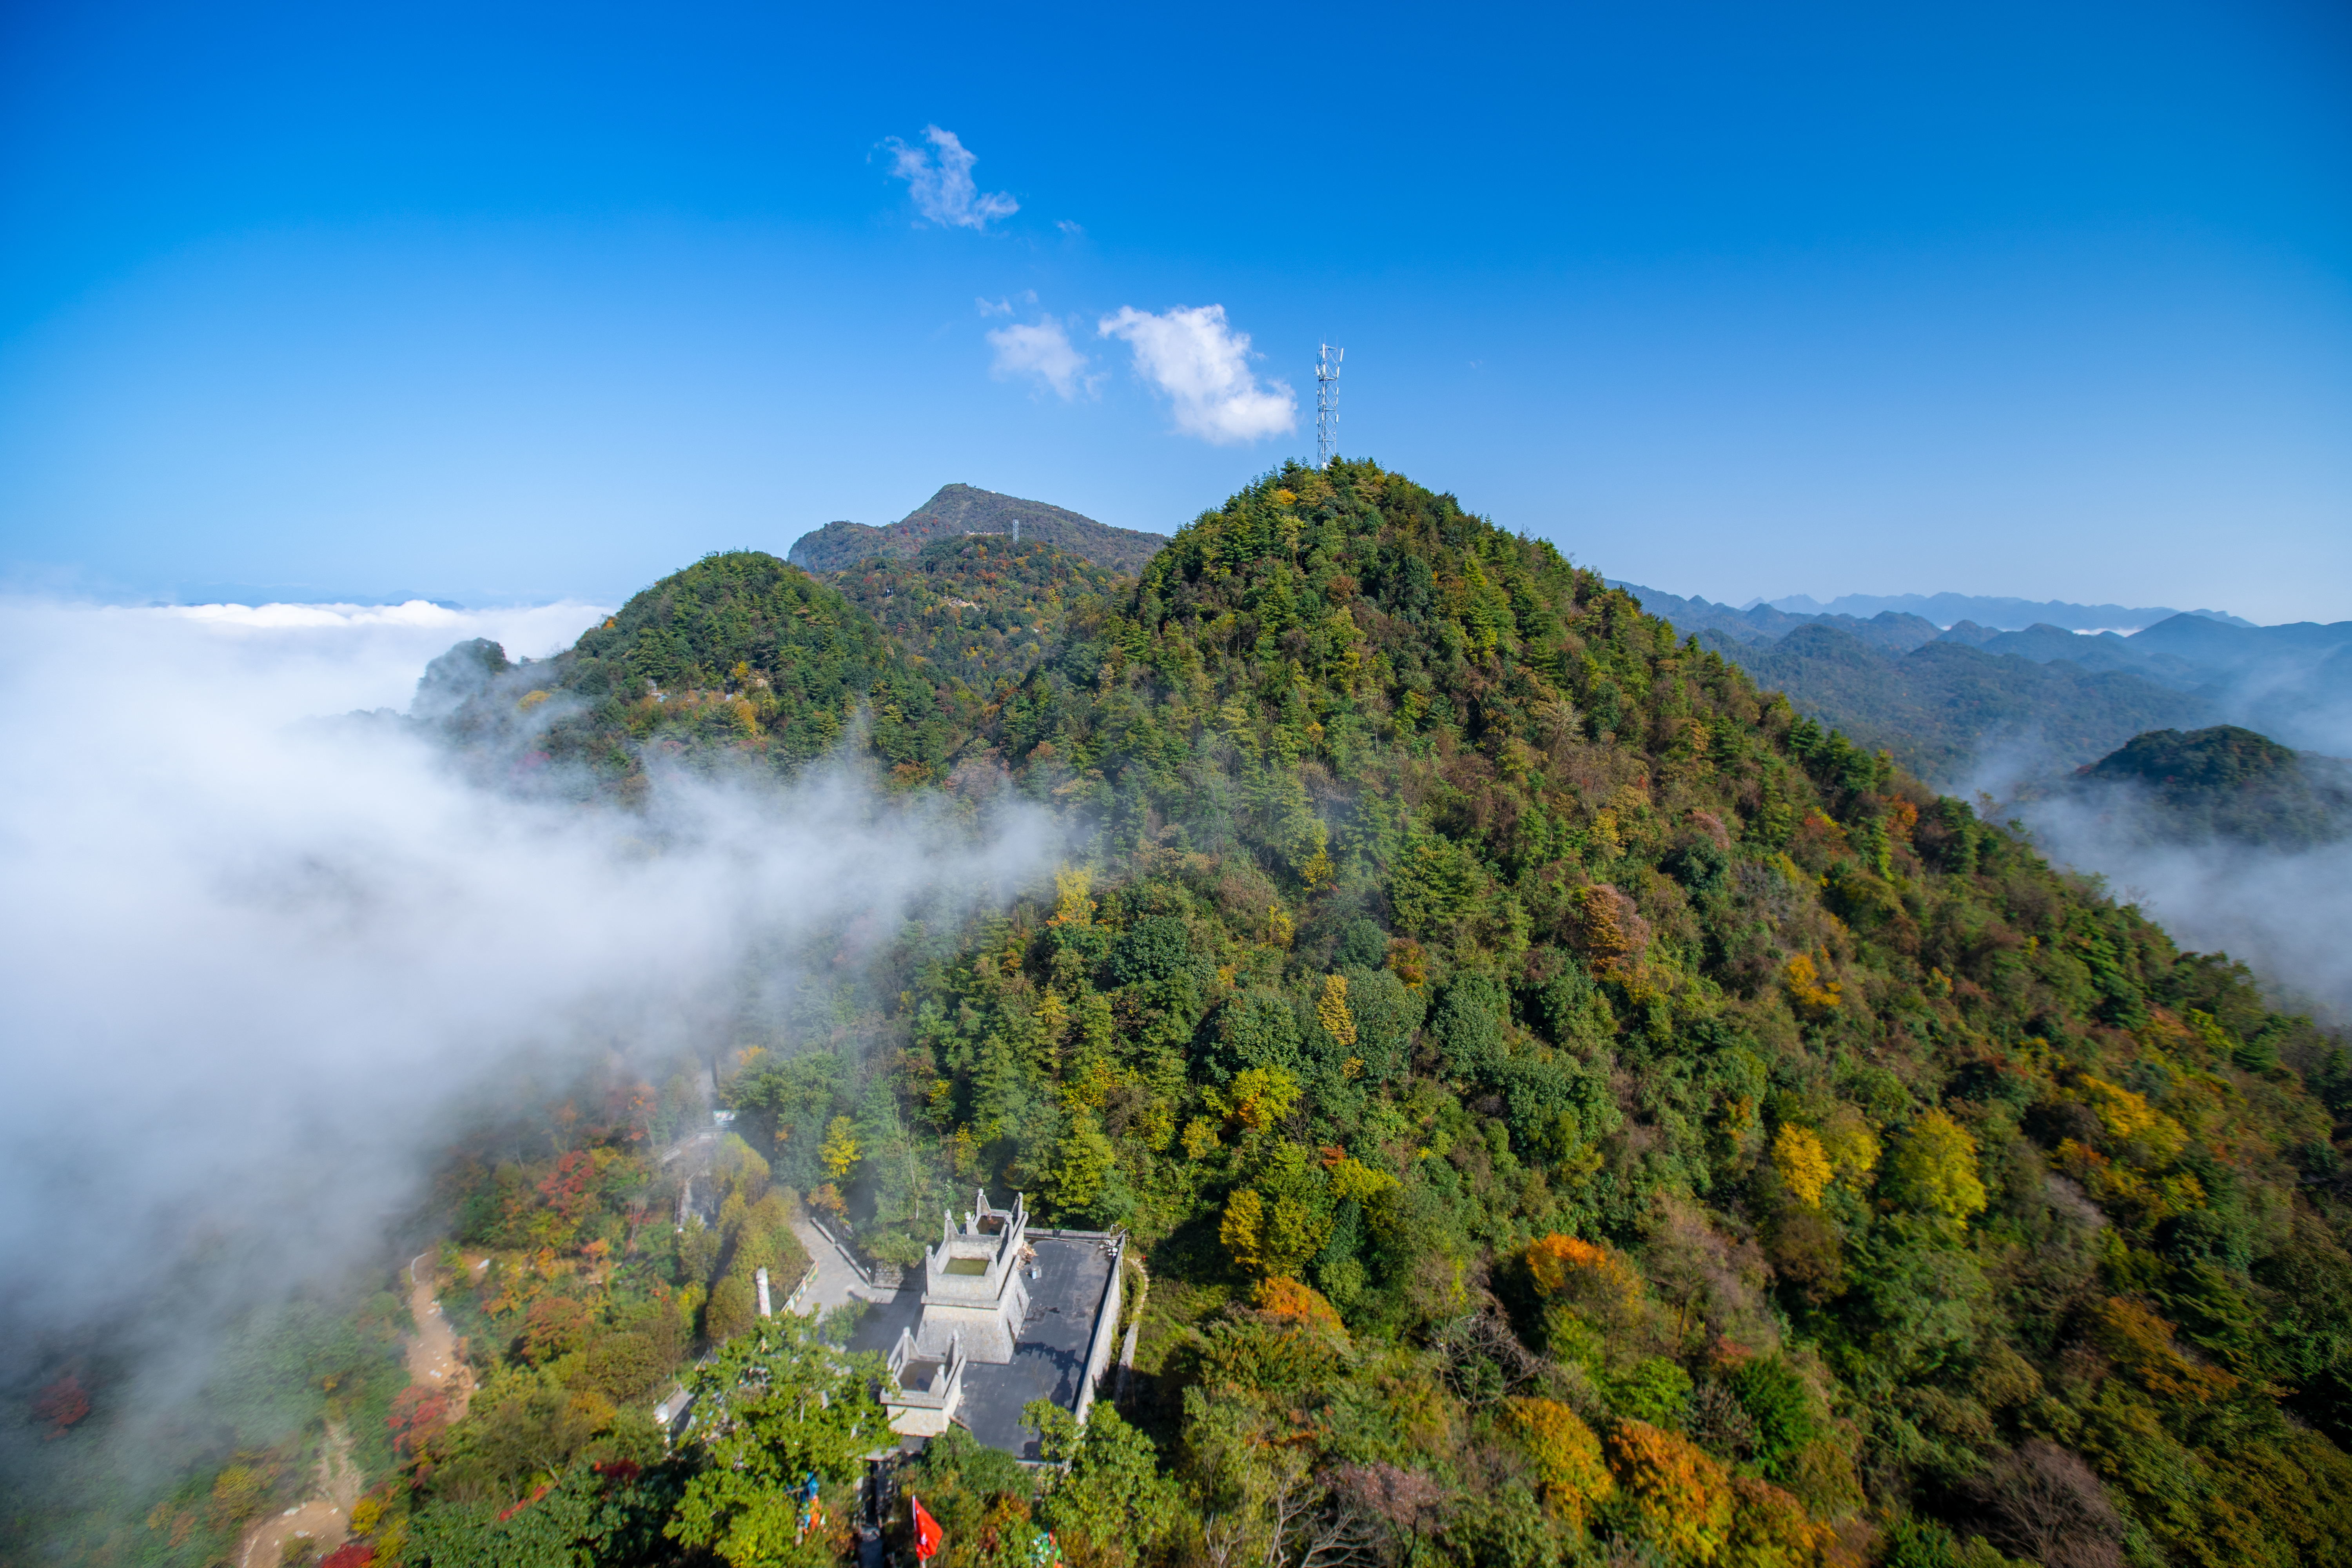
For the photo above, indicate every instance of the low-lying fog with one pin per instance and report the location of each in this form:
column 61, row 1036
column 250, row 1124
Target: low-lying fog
column 257, row 968
column 2283, row 912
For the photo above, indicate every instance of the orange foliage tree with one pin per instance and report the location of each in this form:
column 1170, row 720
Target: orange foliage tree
column 1591, row 1280
column 1279, row 1296
column 1682, row 1496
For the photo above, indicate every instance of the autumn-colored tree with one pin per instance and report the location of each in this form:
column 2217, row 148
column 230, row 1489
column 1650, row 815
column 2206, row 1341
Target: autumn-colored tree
column 1934, row 1169
column 1680, row 1494
column 238, row 1493
column 1281, row 1296
column 555, row 1326
column 1331, row 1011
column 61, row 1404
column 1353, row 1181
column 1608, row 929
column 1771, row 1529
column 2141, row 1343
column 840, row 1151
column 1243, row 1230
column 1810, row 997
column 1262, row 1097
column 1851, row 1145
column 1567, row 1457
column 2136, row 1130
column 1072, row 907
column 1802, row 1162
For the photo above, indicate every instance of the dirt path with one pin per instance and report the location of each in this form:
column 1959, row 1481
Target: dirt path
column 433, row 1362
column 432, row 1359
column 321, row 1520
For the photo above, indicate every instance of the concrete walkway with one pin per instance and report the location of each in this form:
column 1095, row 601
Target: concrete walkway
column 837, row 1280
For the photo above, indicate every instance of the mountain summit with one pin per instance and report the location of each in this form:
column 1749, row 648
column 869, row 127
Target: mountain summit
column 958, row 510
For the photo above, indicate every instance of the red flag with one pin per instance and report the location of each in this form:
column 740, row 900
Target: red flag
column 927, row 1531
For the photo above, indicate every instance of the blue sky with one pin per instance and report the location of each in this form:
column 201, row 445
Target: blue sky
column 499, row 303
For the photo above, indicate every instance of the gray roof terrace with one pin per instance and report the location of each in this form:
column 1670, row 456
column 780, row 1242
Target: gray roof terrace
column 1049, row 1354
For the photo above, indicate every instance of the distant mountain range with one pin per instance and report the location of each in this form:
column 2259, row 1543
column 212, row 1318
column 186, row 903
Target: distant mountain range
column 1943, row 699
column 958, row 510
column 2006, row 613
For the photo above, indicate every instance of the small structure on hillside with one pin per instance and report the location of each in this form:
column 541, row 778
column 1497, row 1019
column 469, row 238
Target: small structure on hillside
column 1007, row 1314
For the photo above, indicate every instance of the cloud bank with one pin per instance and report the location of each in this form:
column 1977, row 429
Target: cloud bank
column 261, row 971
column 938, row 180
column 1202, row 365
column 2283, row 912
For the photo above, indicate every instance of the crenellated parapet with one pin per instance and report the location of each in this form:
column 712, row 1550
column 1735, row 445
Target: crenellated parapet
column 973, row 1283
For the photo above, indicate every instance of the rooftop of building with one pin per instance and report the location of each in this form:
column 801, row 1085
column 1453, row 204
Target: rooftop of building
column 1049, row 1353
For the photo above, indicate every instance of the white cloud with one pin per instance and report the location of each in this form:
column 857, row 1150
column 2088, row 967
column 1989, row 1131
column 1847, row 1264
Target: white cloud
column 1069, row 227
column 1202, row 365
column 939, row 180
column 1042, row 350
column 261, row 971
column 988, row 307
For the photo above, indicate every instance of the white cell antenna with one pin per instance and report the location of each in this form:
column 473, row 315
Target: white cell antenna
column 1327, row 404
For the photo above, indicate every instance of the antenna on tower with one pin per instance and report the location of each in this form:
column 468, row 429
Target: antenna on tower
column 1327, row 404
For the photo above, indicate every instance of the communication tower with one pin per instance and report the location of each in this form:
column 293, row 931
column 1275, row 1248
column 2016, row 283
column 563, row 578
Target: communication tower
column 1327, row 404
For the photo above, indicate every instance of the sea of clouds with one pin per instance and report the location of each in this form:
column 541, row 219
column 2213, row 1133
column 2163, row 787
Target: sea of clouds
column 260, row 967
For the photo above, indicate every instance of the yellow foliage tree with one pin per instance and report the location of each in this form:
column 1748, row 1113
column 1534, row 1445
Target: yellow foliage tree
column 1802, row 981
column 1803, row 1163
column 1353, row 1181
column 1579, row 1278
column 1565, row 1266
column 1243, row 1230
column 1331, row 1011
column 1851, row 1145
column 2137, row 1128
column 1262, row 1097
column 1567, row 1457
column 1071, row 904
column 1934, row 1169
column 1681, row 1495
column 840, row 1150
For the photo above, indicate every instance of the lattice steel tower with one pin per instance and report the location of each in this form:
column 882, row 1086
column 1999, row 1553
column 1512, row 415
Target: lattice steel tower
column 1327, row 404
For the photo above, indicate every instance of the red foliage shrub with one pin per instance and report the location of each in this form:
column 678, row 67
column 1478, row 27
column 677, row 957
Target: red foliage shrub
column 61, row 1404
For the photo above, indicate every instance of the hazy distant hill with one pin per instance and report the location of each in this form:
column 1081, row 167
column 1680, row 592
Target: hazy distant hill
column 959, row 509
column 2000, row 612
column 2223, row 782
column 2082, row 692
column 1941, row 706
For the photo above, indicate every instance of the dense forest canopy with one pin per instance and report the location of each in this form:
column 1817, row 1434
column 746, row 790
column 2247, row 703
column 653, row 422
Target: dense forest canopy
column 1570, row 1107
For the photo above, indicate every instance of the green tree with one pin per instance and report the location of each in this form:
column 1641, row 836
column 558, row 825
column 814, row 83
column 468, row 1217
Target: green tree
column 1934, row 1169
column 1113, row 1505
column 771, row 1408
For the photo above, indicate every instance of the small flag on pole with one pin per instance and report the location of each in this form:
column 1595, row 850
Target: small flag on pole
column 927, row 1531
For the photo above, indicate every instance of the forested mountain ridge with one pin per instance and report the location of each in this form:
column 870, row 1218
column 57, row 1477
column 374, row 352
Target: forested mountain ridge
column 1572, row 1109
column 747, row 658
column 1618, row 1054
column 978, row 612
column 964, row 511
